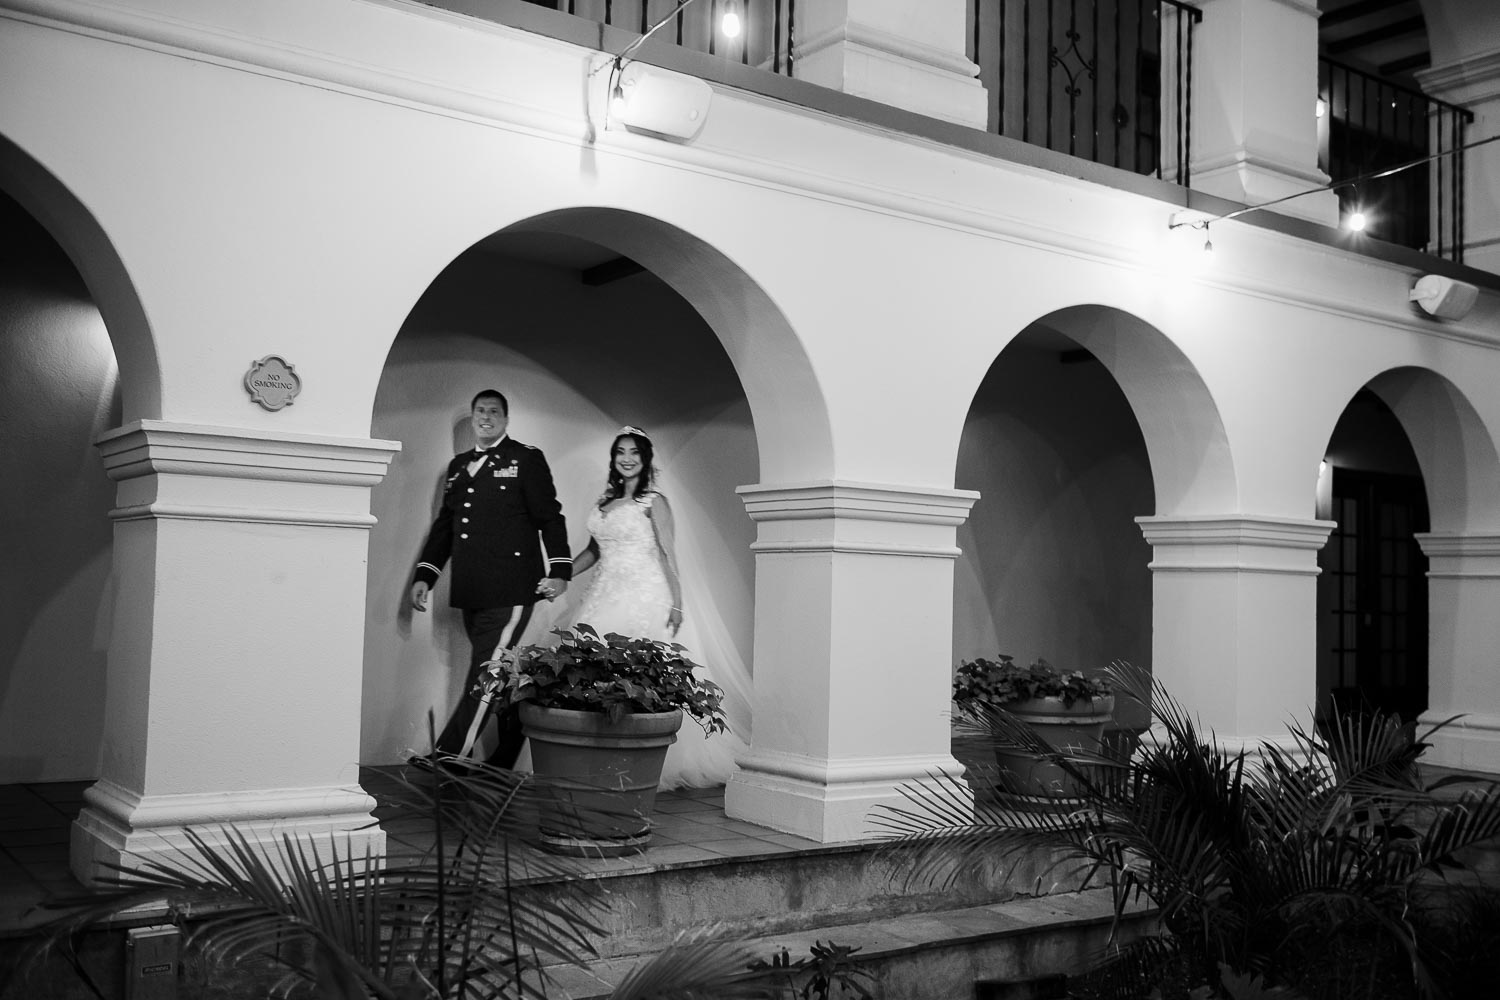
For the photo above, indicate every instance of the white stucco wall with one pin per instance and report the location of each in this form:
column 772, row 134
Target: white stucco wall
column 58, row 384
column 293, row 176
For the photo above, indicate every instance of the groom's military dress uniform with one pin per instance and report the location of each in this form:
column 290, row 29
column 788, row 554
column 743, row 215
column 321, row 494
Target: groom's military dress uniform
column 494, row 523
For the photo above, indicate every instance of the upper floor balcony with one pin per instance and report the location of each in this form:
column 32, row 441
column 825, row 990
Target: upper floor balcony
column 1181, row 92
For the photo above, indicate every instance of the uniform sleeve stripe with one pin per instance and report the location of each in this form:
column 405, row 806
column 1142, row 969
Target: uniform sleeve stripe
column 422, row 565
column 560, row 559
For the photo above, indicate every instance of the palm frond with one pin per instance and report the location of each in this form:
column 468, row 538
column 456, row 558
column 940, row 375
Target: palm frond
column 696, row 967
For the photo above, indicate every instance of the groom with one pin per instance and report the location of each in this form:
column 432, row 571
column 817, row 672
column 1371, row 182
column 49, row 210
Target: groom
column 499, row 509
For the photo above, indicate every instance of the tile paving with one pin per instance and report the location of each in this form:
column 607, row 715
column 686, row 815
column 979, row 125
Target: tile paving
column 35, row 819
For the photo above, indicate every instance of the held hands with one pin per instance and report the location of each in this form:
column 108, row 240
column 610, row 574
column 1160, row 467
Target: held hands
column 419, row 591
column 551, row 588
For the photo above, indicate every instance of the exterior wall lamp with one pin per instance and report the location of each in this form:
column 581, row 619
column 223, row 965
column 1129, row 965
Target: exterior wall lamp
column 1355, row 221
column 646, row 99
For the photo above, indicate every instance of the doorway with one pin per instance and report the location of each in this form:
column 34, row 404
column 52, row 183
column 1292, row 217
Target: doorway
column 1374, row 574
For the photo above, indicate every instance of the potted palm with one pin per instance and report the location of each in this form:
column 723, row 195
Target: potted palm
column 600, row 712
column 475, row 915
column 1069, row 710
column 1304, row 868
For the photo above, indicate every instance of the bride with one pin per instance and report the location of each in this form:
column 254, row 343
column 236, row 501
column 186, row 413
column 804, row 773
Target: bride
column 637, row 590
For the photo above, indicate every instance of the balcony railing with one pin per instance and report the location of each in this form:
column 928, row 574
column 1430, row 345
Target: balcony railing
column 1107, row 80
column 765, row 34
column 1367, row 124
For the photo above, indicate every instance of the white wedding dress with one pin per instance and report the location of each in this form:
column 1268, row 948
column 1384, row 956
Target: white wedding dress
column 630, row 595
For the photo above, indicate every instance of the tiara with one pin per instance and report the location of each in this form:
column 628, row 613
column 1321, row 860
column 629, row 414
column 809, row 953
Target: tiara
column 628, row 429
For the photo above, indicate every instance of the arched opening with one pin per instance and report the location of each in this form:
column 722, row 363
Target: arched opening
column 60, row 389
column 1413, row 446
column 587, row 320
column 1372, row 588
column 1053, row 563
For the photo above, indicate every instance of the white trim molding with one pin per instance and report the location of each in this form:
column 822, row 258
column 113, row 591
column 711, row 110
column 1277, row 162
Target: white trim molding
column 1455, row 556
column 144, row 447
column 195, row 472
column 120, row 827
column 836, row 498
column 861, row 519
column 830, row 801
column 1241, row 543
column 1471, row 742
column 1471, row 80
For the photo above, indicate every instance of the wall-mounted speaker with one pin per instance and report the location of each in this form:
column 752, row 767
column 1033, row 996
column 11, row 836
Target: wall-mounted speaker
column 661, row 103
column 1443, row 297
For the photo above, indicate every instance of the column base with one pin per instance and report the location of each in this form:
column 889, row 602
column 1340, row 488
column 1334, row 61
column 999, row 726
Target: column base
column 120, row 827
column 1249, row 179
column 1468, row 743
column 831, row 802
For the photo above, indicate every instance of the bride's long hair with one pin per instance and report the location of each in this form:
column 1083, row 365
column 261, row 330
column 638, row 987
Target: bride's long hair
column 615, row 487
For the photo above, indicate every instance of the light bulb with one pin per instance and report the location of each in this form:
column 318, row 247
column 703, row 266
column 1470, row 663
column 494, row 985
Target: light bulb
column 617, row 101
column 730, row 24
column 1357, row 222
column 1320, row 109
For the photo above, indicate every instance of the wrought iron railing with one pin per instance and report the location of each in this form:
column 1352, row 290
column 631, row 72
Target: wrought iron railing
column 765, row 37
column 1107, row 80
column 1367, row 124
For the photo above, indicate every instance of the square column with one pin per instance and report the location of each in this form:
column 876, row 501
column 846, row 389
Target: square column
column 236, row 656
column 1234, row 619
column 1463, row 596
column 907, row 55
column 853, row 652
column 1255, row 84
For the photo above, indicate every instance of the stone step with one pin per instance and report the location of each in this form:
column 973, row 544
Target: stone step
column 822, row 889
column 937, row 955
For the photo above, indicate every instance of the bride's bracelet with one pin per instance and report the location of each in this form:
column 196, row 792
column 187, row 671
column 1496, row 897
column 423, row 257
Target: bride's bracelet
column 676, row 609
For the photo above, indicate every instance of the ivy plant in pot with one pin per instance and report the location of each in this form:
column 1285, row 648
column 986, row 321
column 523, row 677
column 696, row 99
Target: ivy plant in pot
column 1069, row 710
column 600, row 712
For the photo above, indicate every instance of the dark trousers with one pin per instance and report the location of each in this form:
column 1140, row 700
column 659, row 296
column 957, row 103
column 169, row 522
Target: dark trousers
column 490, row 630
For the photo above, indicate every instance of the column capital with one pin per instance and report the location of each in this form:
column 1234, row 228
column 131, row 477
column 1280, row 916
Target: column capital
column 1245, row 543
column 835, row 498
column 1470, row 80
column 1308, row 7
column 1452, row 555
column 144, row 447
column 199, row 472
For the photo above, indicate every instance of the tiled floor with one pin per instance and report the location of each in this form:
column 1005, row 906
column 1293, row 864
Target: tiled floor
column 690, row 828
column 34, row 823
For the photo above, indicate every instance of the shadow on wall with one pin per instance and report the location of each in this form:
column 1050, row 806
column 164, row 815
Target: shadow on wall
column 1053, row 563
column 576, row 362
column 58, row 392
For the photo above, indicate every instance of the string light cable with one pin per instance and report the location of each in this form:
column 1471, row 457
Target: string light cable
column 1356, row 219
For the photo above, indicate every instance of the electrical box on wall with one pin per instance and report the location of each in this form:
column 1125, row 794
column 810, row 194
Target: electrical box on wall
column 152, row 962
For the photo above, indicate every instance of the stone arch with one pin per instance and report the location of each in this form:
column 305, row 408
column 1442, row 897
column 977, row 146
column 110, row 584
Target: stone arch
column 1454, row 448
column 64, row 301
column 1380, row 646
column 1089, row 419
column 742, row 371
column 1192, row 467
column 792, row 425
column 89, row 247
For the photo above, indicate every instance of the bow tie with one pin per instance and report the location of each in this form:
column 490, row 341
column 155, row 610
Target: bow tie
column 493, row 449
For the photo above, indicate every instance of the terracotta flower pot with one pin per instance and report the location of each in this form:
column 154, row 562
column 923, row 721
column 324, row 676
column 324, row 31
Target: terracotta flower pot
column 602, row 776
column 1061, row 726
